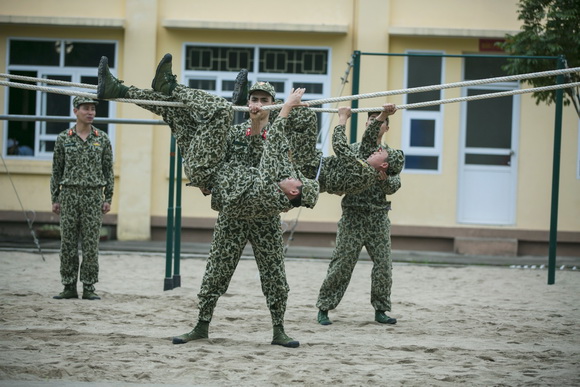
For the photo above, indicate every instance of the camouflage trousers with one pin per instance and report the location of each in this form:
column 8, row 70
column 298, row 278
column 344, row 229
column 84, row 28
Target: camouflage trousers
column 229, row 239
column 357, row 229
column 80, row 220
column 200, row 129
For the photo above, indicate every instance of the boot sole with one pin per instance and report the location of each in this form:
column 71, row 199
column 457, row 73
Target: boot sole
column 241, row 84
column 166, row 58
column 101, row 77
column 290, row 344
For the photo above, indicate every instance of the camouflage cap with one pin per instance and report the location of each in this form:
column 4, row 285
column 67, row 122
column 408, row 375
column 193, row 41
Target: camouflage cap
column 78, row 101
column 396, row 160
column 263, row 86
column 310, row 191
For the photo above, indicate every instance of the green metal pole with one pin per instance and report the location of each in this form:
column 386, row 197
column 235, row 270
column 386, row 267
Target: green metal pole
column 177, row 244
column 355, row 90
column 556, row 178
column 168, row 283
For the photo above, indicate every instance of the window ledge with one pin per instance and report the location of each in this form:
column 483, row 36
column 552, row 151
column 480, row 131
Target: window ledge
column 63, row 21
column 250, row 26
column 449, row 32
column 28, row 166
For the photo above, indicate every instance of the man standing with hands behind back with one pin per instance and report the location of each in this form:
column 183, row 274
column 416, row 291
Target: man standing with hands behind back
column 81, row 188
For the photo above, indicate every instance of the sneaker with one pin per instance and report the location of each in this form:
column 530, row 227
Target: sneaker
column 323, row 317
column 281, row 338
column 240, row 94
column 382, row 318
column 164, row 81
column 70, row 291
column 199, row 332
column 108, row 86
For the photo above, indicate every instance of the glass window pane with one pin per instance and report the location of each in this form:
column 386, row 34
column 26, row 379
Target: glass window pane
column 422, row 133
column 21, row 101
column 280, row 87
column 312, row 88
column 203, row 84
column 85, row 54
column 424, row 71
column 47, row 145
column 480, row 68
column 27, row 52
column 421, row 162
column 487, row 159
column 102, row 107
column 57, row 105
column 228, row 85
column 203, row 58
column 489, row 121
column 281, row 60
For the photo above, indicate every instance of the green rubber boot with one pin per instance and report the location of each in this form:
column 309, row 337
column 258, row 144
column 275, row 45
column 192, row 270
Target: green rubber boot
column 382, row 318
column 240, row 94
column 70, row 291
column 108, row 86
column 199, row 332
column 89, row 292
column 323, row 317
column 281, row 338
column 164, row 81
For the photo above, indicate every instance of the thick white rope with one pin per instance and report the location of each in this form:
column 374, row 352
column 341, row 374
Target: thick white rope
column 459, row 99
column 448, row 85
column 48, row 81
column 328, row 100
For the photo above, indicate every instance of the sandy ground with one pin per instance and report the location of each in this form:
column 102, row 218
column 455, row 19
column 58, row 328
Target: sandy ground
column 468, row 325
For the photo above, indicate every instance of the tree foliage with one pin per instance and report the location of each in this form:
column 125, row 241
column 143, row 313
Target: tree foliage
column 550, row 28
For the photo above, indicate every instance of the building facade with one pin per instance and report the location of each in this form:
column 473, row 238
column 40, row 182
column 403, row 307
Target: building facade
column 478, row 175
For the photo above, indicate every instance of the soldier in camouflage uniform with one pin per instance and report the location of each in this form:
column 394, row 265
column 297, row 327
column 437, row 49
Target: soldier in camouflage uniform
column 240, row 220
column 81, row 188
column 345, row 171
column 364, row 222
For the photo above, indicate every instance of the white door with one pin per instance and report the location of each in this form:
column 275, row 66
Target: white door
column 488, row 158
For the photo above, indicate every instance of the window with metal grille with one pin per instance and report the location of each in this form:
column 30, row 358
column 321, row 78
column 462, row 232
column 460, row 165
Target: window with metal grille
column 57, row 59
column 214, row 68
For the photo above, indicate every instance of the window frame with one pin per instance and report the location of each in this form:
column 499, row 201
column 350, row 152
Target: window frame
column 42, row 71
column 254, row 75
column 411, row 114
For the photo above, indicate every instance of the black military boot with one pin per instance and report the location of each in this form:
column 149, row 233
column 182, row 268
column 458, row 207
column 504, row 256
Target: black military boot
column 89, row 292
column 164, row 81
column 109, row 87
column 323, row 317
column 281, row 338
column 70, row 291
column 382, row 318
column 240, row 94
column 199, row 332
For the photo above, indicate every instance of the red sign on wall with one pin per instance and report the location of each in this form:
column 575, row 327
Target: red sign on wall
column 489, row 45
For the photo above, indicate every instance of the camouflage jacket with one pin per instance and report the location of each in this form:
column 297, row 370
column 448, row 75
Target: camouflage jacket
column 374, row 197
column 79, row 163
column 302, row 133
column 243, row 149
column 245, row 191
column 347, row 171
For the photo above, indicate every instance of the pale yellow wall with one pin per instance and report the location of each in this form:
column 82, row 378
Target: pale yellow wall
column 536, row 161
column 457, row 14
column 257, row 11
column 141, row 152
column 63, row 8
